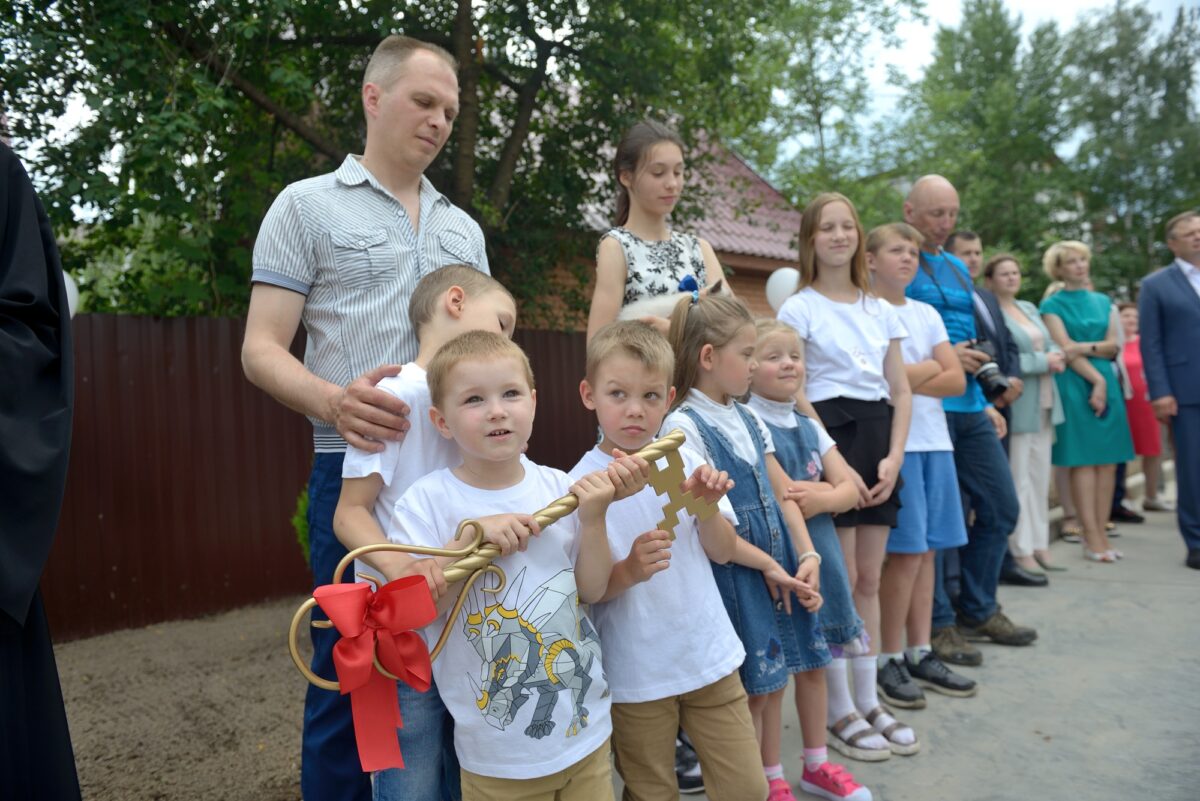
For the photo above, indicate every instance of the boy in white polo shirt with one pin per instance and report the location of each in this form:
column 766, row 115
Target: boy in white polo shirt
column 521, row 670
column 671, row 653
column 444, row 304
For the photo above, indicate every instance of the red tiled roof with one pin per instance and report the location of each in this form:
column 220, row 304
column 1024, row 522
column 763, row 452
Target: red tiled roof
column 744, row 213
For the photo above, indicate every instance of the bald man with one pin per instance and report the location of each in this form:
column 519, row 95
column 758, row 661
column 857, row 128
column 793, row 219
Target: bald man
column 975, row 429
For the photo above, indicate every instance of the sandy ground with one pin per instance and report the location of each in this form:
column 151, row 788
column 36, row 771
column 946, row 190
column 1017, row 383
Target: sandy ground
column 191, row 710
column 1104, row 705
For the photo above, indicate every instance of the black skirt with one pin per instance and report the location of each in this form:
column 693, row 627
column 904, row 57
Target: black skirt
column 863, row 433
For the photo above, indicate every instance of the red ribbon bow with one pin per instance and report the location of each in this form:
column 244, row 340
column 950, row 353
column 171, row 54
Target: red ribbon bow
column 379, row 623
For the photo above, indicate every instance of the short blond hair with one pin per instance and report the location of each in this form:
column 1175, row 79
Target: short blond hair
column 423, row 304
column 472, row 345
column 769, row 326
column 882, row 234
column 1058, row 251
column 635, row 339
column 387, row 62
column 1177, row 219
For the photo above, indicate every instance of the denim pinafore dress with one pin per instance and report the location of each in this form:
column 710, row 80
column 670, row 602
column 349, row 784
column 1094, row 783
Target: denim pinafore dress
column 799, row 453
column 777, row 644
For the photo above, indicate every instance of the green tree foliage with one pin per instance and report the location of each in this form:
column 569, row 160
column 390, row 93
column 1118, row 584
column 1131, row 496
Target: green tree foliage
column 1000, row 118
column 987, row 114
column 1133, row 94
column 202, row 112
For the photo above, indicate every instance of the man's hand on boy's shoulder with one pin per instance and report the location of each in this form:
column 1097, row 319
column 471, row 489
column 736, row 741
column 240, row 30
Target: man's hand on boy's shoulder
column 629, row 474
column 595, row 492
column 509, row 532
column 708, row 484
column 366, row 416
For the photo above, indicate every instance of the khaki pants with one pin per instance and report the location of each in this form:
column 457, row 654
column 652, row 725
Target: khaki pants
column 589, row 779
column 717, row 720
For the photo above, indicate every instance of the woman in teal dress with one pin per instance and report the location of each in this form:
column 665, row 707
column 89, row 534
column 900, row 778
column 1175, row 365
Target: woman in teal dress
column 1095, row 436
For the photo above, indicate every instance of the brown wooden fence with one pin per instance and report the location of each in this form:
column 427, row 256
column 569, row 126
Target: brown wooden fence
column 184, row 476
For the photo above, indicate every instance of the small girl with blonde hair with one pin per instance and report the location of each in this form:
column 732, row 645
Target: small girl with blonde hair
column 714, row 340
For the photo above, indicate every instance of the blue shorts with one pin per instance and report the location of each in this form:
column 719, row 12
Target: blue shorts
column 931, row 515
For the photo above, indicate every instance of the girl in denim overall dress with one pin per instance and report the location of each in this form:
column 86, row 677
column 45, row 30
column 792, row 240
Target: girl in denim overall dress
column 714, row 341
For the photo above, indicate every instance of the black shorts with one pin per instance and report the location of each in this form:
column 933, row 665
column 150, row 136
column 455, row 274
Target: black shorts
column 863, row 433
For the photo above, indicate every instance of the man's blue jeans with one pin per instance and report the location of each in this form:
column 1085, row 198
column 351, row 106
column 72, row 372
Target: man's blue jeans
column 983, row 475
column 329, row 766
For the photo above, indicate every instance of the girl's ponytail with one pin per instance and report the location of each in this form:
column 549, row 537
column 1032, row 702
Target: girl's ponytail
column 711, row 320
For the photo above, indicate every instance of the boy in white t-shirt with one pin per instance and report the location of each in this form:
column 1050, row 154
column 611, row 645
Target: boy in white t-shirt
column 670, row 651
column 521, row 670
column 444, row 304
column 930, row 515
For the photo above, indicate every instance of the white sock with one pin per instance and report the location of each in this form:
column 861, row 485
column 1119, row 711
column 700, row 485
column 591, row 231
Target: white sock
column 773, row 772
column 917, row 652
column 841, row 703
column 815, row 758
column 885, row 658
column 837, row 685
column 866, row 697
column 901, row 736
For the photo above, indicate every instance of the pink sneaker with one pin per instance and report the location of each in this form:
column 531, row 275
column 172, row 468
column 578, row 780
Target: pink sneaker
column 779, row 791
column 833, row 782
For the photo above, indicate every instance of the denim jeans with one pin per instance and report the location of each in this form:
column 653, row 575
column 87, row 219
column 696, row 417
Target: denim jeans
column 427, row 742
column 329, row 766
column 983, row 475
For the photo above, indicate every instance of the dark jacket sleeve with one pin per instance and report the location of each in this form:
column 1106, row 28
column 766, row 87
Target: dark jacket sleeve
column 1008, row 354
column 1151, row 336
column 36, row 388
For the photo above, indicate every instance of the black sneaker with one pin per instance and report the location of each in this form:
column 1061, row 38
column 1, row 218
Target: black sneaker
column 687, row 769
column 1123, row 515
column 898, row 688
column 997, row 628
column 931, row 672
column 950, row 646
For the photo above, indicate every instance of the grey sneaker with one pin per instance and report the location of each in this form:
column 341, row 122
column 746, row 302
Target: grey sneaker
column 932, row 673
column 950, row 646
column 999, row 629
column 898, row 688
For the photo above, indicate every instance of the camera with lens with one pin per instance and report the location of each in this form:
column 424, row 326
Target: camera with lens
column 993, row 382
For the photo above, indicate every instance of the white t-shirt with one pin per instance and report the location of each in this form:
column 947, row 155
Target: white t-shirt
column 669, row 635
column 927, row 431
column 529, row 653
column 844, row 343
column 400, row 464
column 780, row 414
column 723, row 417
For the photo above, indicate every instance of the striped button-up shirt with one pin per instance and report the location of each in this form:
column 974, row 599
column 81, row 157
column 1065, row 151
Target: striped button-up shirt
column 348, row 245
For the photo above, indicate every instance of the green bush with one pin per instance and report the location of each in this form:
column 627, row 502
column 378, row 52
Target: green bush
column 300, row 523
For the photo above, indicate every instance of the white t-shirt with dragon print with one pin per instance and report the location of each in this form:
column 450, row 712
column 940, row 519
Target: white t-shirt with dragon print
column 521, row 671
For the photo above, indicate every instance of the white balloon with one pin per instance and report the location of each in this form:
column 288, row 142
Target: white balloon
column 72, row 293
column 782, row 285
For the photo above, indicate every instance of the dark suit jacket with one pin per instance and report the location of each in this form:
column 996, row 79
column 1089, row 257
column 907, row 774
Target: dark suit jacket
column 36, row 379
column 1008, row 355
column 1169, row 328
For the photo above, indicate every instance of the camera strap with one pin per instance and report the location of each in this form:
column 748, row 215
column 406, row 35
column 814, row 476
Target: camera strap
column 981, row 325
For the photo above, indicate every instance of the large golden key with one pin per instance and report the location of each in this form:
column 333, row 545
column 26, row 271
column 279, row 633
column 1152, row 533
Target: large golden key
column 475, row 560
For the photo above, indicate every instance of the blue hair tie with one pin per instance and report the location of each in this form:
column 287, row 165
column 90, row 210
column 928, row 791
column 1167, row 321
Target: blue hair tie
column 695, row 296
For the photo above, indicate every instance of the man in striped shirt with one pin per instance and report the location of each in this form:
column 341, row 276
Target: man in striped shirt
column 341, row 253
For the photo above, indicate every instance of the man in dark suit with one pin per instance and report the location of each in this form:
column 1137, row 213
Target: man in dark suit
column 36, row 760
column 1172, row 296
column 989, row 321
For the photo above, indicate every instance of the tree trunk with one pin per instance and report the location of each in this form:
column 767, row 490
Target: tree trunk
column 470, row 60
column 219, row 69
column 506, row 167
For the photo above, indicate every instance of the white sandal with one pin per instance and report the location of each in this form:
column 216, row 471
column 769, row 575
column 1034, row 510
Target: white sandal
column 849, row 745
column 903, row 749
